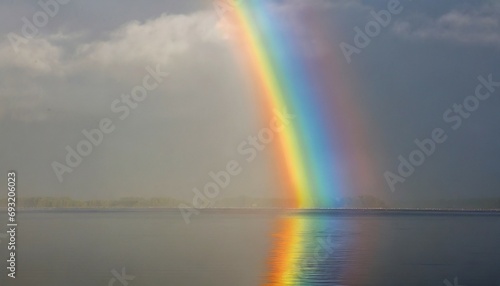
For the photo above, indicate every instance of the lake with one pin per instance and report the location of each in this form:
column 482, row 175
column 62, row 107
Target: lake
column 156, row 247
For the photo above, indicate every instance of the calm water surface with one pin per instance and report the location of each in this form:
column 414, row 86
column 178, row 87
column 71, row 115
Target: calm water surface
column 235, row 248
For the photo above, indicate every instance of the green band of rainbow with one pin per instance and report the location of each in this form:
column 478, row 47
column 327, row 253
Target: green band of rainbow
column 323, row 150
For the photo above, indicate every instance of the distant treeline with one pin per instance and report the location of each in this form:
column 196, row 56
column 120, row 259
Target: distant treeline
column 65, row 202
column 135, row 202
column 250, row 202
column 484, row 203
column 364, row 201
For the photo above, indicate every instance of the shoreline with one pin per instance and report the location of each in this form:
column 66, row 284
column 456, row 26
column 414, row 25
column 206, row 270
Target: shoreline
column 340, row 211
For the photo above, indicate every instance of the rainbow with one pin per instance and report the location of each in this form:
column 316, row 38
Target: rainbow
column 323, row 152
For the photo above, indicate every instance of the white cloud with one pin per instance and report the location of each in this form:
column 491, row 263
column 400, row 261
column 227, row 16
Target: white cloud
column 152, row 42
column 155, row 41
column 46, row 63
column 468, row 26
column 36, row 55
column 77, row 74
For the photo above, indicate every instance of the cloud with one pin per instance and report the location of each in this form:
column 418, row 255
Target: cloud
column 58, row 63
column 480, row 26
column 155, row 41
column 74, row 72
column 36, row 56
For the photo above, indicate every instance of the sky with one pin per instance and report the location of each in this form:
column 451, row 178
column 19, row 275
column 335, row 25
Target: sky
column 69, row 75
